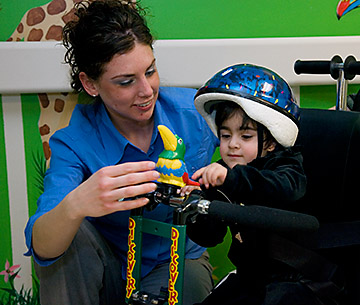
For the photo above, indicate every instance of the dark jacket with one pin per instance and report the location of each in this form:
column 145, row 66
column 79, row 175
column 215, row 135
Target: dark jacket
column 276, row 180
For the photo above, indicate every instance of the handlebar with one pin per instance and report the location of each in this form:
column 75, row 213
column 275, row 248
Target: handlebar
column 339, row 70
column 319, row 66
column 253, row 216
column 350, row 67
column 262, row 217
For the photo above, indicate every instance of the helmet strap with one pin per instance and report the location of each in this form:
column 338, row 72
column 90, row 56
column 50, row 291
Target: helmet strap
column 260, row 133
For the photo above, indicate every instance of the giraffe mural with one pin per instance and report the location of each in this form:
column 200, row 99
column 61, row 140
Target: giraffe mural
column 45, row 23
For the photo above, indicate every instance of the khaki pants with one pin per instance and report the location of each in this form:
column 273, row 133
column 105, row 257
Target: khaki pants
column 90, row 274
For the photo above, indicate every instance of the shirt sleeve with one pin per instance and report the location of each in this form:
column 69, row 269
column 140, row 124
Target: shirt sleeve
column 64, row 175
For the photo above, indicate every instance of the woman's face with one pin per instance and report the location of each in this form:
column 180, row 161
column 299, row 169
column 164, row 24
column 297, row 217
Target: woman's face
column 129, row 85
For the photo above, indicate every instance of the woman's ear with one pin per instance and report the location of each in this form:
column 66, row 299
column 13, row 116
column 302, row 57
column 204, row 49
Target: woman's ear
column 88, row 84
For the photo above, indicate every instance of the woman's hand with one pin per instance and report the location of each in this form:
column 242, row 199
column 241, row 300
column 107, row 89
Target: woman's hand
column 99, row 195
column 213, row 174
column 104, row 192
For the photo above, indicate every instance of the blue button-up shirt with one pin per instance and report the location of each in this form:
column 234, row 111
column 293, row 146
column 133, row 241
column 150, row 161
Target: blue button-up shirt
column 91, row 142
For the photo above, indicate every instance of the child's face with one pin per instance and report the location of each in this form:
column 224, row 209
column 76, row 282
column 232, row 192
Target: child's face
column 238, row 145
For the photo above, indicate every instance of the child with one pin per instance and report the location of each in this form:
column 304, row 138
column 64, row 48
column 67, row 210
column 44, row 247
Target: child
column 253, row 112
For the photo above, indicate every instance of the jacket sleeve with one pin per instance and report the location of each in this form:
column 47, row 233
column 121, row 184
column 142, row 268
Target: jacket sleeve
column 272, row 181
column 275, row 181
column 206, row 232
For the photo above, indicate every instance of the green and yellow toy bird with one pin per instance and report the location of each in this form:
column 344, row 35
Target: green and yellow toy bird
column 171, row 163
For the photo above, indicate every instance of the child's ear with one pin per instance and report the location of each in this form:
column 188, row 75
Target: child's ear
column 271, row 146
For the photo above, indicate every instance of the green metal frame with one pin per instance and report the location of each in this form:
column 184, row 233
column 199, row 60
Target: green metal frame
column 177, row 233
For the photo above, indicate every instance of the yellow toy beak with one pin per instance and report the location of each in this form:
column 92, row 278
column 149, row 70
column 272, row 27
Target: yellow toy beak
column 169, row 139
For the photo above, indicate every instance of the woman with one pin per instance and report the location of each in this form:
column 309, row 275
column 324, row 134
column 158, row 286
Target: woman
column 105, row 158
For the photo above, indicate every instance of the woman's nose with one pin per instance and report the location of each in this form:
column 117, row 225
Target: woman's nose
column 145, row 88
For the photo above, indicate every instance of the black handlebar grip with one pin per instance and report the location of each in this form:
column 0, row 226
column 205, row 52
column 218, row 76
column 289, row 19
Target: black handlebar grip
column 312, row 66
column 351, row 67
column 262, row 217
column 354, row 68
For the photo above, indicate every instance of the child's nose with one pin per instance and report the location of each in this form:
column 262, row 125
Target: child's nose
column 234, row 143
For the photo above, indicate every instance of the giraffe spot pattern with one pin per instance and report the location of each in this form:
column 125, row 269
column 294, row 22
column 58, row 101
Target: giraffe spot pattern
column 35, row 16
column 54, row 33
column 35, row 35
column 20, row 27
column 44, row 100
column 59, row 105
column 69, row 16
column 56, row 7
column 47, row 150
column 44, row 129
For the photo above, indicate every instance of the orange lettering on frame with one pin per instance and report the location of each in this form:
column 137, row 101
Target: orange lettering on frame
column 130, row 285
column 173, row 268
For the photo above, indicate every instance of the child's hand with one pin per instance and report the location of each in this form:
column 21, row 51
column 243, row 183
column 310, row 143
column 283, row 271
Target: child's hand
column 213, row 174
column 187, row 189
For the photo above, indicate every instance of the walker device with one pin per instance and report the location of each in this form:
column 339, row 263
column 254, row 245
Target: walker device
column 186, row 209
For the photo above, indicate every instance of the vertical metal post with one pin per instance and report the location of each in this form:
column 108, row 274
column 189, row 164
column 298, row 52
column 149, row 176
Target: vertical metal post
column 341, row 94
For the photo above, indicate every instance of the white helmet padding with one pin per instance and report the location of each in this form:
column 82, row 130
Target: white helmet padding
column 268, row 101
column 283, row 129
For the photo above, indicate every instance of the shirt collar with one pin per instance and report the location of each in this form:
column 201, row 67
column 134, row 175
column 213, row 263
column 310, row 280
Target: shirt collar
column 114, row 142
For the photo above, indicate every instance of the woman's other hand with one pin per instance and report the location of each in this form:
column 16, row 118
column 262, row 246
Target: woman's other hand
column 104, row 192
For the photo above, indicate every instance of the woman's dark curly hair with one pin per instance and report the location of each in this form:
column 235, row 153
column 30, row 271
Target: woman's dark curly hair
column 102, row 28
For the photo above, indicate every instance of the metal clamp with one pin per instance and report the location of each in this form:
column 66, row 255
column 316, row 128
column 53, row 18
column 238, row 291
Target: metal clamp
column 203, row 206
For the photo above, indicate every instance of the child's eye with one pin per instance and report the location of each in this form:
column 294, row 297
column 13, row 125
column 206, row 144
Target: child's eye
column 247, row 136
column 224, row 136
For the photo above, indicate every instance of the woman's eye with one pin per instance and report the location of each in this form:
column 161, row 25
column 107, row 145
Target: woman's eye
column 125, row 82
column 150, row 72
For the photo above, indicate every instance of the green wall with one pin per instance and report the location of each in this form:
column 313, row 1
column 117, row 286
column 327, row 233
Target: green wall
column 5, row 236
column 248, row 19
column 196, row 19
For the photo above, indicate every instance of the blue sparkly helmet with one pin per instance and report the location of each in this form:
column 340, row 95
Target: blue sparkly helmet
column 261, row 93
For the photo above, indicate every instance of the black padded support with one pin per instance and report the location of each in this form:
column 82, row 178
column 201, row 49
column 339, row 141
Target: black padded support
column 330, row 143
